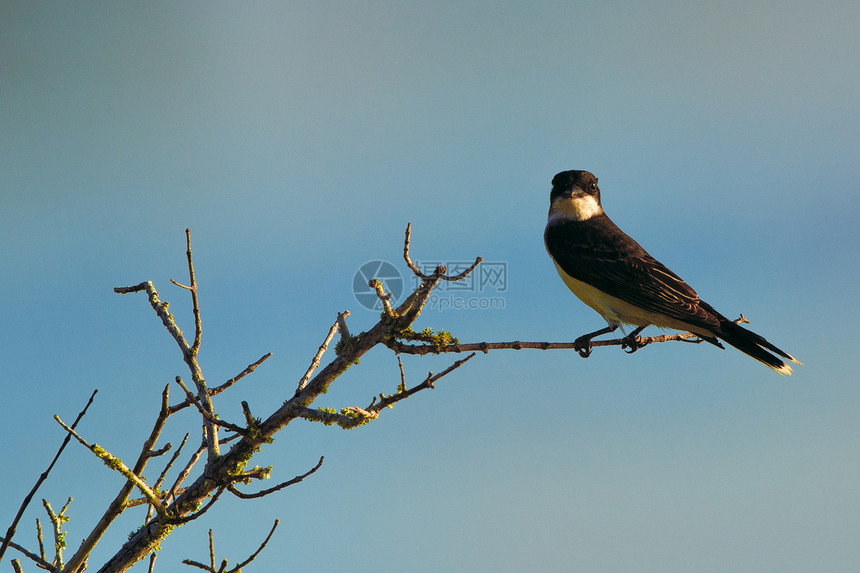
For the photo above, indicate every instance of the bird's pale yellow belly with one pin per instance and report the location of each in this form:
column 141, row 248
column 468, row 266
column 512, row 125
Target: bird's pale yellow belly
column 615, row 311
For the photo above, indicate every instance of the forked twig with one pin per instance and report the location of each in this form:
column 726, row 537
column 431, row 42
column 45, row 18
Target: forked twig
column 440, row 270
column 222, row 568
column 10, row 532
column 278, row 487
column 218, row 389
column 116, row 464
column 429, row 381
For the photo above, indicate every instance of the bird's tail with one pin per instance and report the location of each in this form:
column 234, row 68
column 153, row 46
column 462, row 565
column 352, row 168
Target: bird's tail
column 756, row 346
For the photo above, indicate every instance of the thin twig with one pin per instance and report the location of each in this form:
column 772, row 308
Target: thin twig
column 402, row 386
column 218, row 389
column 278, row 487
column 170, row 463
column 376, row 285
column 207, row 416
column 163, row 474
column 406, row 256
column 341, row 324
column 258, row 551
column 250, row 368
column 440, row 270
column 40, row 561
column 196, row 374
column 198, row 329
column 116, row 464
column 465, row 273
column 10, row 532
column 428, row 382
column 197, row 564
column 223, row 566
column 40, row 540
column 211, row 550
column 318, row 356
column 57, row 520
column 186, row 471
column 353, row 417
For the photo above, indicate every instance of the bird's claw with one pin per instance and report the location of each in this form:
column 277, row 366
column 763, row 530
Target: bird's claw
column 631, row 343
column 582, row 345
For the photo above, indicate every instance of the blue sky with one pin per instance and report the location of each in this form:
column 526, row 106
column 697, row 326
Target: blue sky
column 297, row 140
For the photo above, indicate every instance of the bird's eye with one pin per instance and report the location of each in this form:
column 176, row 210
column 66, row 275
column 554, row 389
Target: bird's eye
column 593, row 186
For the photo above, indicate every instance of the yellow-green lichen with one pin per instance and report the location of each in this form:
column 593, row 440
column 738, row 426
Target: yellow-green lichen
column 437, row 340
column 345, row 344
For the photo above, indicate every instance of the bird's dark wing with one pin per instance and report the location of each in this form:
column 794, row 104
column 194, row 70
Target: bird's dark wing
column 598, row 253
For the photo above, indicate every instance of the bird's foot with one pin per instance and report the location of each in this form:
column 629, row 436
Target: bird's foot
column 631, row 343
column 582, row 345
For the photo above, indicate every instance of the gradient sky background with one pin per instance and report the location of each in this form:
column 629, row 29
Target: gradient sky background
column 297, row 139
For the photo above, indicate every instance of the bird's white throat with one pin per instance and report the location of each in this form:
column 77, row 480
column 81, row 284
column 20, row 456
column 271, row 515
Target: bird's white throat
column 579, row 207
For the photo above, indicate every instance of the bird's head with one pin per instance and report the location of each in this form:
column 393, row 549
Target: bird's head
column 575, row 195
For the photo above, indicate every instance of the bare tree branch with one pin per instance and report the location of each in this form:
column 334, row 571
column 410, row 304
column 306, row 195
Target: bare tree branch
column 204, row 509
column 402, row 394
column 170, row 463
column 341, row 324
column 353, row 417
column 40, row 540
column 57, row 521
column 118, row 505
column 254, row 555
column 220, row 471
column 384, row 297
column 407, row 257
column 10, row 532
column 218, row 389
column 116, row 464
column 207, row 416
column 223, row 471
column 223, row 566
column 211, row 550
column 440, row 270
column 402, row 386
column 162, row 476
column 318, row 356
column 232, row 489
column 198, row 565
column 183, row 475
column 485, row 347
column 39, row 560
column 189, row 351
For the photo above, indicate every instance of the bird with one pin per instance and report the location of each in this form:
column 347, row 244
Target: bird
column 615, row 276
